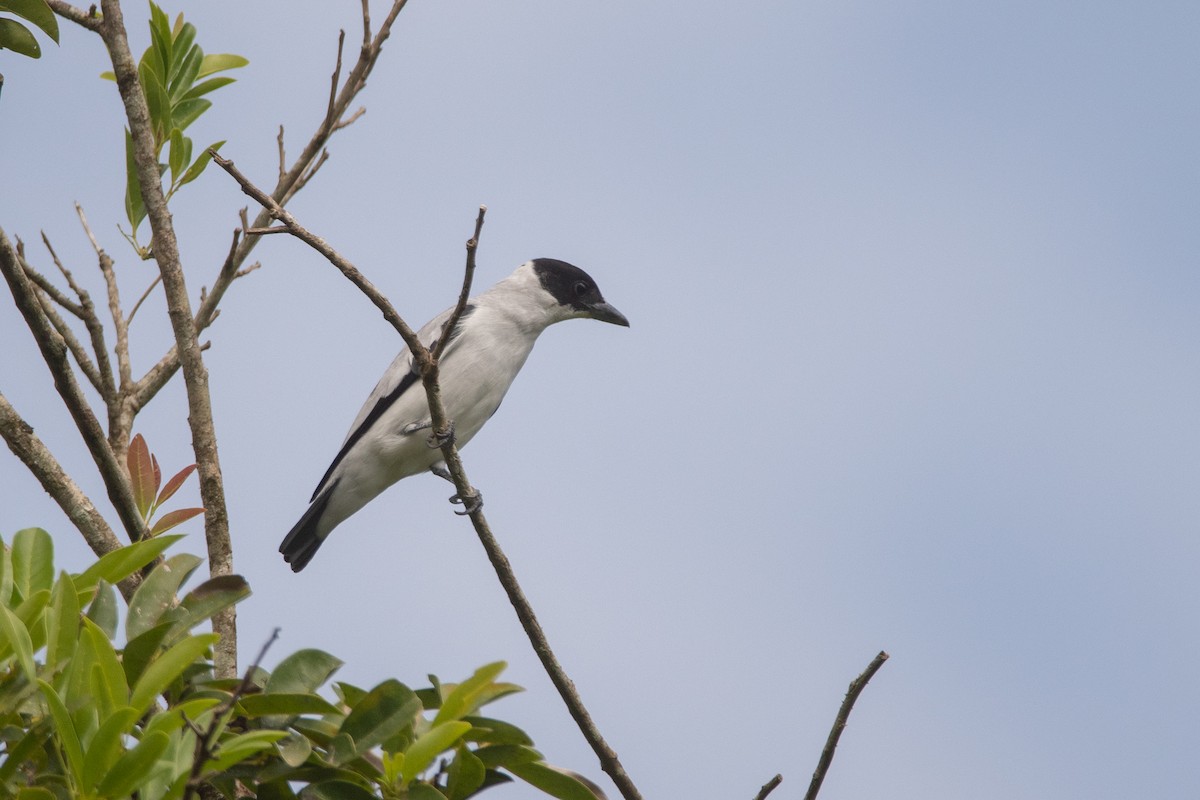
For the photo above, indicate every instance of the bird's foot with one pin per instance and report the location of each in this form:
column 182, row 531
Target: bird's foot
column 439, row 438
column 470, row 504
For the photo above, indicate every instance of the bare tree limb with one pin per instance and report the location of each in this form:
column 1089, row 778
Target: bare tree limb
column 768, row 787
column 38, row 459
column 87, row 313
column 839, row 724
column 54, row 351
column 195, row 374
column 426, row 365
column 87, row 19
column 157, row 280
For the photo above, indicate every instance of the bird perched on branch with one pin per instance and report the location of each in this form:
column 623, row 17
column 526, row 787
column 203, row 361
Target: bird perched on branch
column 390, row 438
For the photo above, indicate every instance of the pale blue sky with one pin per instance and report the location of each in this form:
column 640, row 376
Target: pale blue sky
column 913, row 366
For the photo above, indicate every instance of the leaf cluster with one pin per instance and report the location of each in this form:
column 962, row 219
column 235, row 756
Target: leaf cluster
column 18, row 38
column 175, row 76
column 85, row 716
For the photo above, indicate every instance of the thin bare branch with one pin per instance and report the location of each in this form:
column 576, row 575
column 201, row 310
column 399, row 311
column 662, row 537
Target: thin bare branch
column 282, row 168
column 333, row 81
column 71, row 341
column 768, row 787
column 54, row 352
column 206, row 741
column 87, row 19
column 839, row 724
column 268, row 231
column 348, row 121
column 44, row 283
column 120, row 324
column 157, row 280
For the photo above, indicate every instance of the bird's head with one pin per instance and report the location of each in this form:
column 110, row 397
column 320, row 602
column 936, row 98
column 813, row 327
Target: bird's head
column 575, row 292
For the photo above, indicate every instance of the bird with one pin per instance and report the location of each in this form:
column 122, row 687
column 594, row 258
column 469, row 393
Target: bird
column 483, row 354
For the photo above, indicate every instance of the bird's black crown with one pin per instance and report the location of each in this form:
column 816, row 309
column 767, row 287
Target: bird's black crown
column 567, row 283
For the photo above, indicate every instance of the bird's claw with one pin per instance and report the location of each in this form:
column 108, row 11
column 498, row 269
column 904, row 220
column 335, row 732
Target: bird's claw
column 470, row 505
column 439, row 438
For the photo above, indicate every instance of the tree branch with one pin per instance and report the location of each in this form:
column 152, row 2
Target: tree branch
column 839, row 724
column 87, row 19
column 768, row 787
column 427, row 366
column 53, row 350
column 38, row 459
column 195, row 374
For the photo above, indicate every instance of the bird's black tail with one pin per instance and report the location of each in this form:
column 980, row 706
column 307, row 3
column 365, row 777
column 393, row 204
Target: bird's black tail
column 303, row 541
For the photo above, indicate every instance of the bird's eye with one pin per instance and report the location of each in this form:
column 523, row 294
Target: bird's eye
column 581, row 288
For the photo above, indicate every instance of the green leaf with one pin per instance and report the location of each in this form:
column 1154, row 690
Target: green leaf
column 294, row 749
column 16, row 638
column 135, row 208
column 35, row 793
column 335, row 790
column 135, row 766
column 186, row 112
column 184, row 71
column 159, row 103
column 103, row 610
column 302, row 672
column 106, row 746
column 199, row 164
column 32, row 561
column 157, row 593
column 493, row 731
column 387, row 709
column 506, row 755
column 180, row 515
column 67, row 736
column 112, row 676
column 173, row 485
column 465, row 775
column 242, row 746
column 554, row 782
column 141, row 650
column 464, row 698
column 259, row 705
column 209, row 598
column 160, row 37
column 219, row 62
column 204, row 87
column 6, row 578
column 16, row 37
column 62, row 624
column 120, row 564
column 175, row 158
column 429, row 746
column 423, row 791
column 36, row 11
column 165, row 669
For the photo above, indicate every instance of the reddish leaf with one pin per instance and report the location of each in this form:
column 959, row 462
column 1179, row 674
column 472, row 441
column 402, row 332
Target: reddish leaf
column 173, row 485
column 173, row 518
column 157, row 472
column 141, row 474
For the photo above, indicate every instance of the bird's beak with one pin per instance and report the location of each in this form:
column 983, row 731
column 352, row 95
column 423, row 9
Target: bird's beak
column 606, row 313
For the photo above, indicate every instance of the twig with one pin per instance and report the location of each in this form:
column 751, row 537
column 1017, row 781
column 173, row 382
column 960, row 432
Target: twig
column 267, row 231
column 157, row 280
column 206, row 740
column 333, row 81
column 87, row 313
column 87, row 19
column 768, row 787
column 120, row 324
column 839, row 724
column 54, row 353
column 423, row 359
column 195, row 374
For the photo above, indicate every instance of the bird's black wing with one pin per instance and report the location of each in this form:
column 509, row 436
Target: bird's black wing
column 399, row 378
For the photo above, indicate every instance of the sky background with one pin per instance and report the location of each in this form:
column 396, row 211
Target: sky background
column 914, row 365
